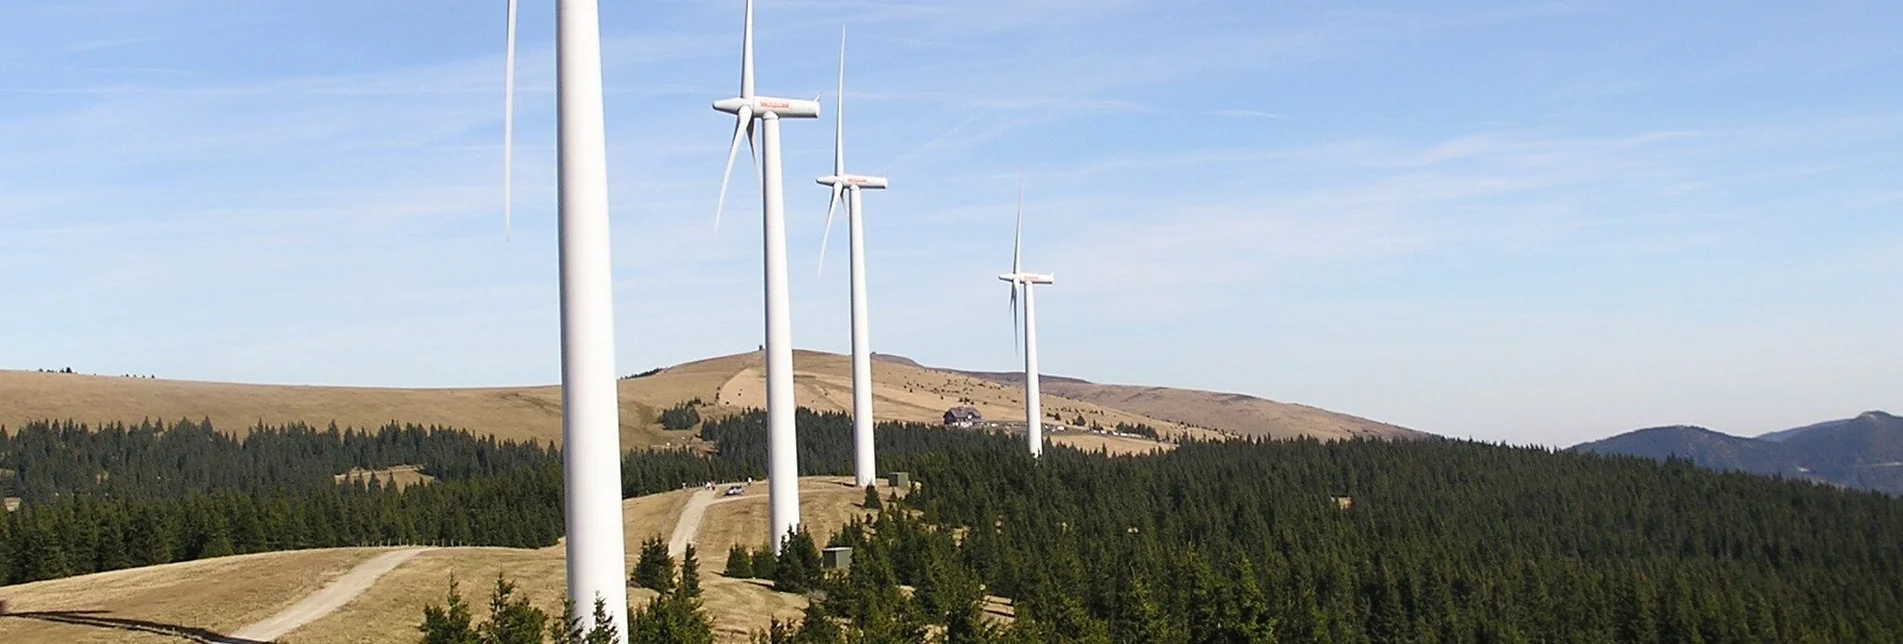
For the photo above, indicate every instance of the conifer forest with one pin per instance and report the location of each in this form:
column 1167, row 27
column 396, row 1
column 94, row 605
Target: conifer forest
column 1292, row 541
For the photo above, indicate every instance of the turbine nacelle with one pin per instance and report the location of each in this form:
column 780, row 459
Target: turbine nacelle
column 1028, row 278
column 853, row 181
column 760, row 106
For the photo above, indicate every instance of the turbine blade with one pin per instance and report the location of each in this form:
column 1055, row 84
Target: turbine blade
column 1016, row 344
column 830, row 205
column 508, row 127
column 1017, row 241
column 746, row 55
column 839, row 112
column 753, row 153
column 742, row 127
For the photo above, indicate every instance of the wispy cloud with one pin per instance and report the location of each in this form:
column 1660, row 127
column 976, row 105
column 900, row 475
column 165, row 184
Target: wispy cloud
column 1410, row 212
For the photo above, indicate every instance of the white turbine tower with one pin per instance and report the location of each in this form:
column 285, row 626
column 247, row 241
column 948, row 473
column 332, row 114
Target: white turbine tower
column 864, row 466
column 1033, row 414
column 591, row 423
column 782, row 455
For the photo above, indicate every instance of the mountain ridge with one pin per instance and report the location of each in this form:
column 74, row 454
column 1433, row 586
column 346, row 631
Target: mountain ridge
column 1237, row 413
column 1862, row 452
column 904, row 391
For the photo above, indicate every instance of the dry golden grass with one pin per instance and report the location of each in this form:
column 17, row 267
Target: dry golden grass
column 1114, row 445
column 827, row 503
column 731, row 383
column 217, row 595
column 1233, row 413
column 221, row 595
column 823, row 381
column 401, row 476
column 388, row 610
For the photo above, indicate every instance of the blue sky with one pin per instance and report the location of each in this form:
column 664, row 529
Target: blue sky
column 1516, row 221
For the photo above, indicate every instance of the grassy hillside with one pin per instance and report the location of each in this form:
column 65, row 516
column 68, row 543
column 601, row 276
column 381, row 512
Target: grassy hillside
column 1239, row 414
column 729, row 383
column 1444, row 541
column 216, row 596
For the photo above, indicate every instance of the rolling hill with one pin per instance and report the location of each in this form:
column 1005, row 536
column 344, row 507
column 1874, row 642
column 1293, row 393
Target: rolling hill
column 904, row 391
column 1865, row 452
column 207, row 600
column 1239, row 414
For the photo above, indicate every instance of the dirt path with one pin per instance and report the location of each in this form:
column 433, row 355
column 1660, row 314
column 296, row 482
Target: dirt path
column 687, row 529
column 331, row 597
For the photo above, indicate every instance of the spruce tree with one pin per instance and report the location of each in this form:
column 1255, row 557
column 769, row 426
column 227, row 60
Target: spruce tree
column 872, row 498
column 654, row 570
column 511, row 619
column 689, row 585
column 798, row 566
column 739, row 563
column 448, row 624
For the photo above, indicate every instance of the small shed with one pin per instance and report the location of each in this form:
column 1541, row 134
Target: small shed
column 836, row 558
column 900, row 480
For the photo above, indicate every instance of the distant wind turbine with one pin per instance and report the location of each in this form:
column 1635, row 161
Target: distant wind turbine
column 591, row 424
column 782, row 451
column 864, row 466
column 1033, row 415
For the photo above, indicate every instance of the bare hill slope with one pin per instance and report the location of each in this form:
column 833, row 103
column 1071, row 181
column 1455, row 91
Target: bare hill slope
column 211, row 598
column 728, row 383
column 1239, row 414
column 902, row 391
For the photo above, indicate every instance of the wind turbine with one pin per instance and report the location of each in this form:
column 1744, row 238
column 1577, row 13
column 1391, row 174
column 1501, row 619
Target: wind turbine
column 591, row 424
column 1033, row 414
column 864, row 466
column 783, row 490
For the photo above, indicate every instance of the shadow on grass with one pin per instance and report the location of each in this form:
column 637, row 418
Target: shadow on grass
column 99, row 619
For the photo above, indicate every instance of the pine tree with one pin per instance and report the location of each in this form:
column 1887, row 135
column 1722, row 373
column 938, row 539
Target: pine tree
column 449, row 624
column 603, row 631
column 567, row 629
column 872, row 498
column 654, row 570
column 1139, row 617
column 739, row 563
column 1254, row 621
column 765, row 566
column 817, row 628
column 511, row 619
column 797, row 569
column 689, row 586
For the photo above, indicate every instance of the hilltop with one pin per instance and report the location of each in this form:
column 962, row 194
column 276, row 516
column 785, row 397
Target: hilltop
column 904, row 391
column 1239, row 414
column 1864, row 452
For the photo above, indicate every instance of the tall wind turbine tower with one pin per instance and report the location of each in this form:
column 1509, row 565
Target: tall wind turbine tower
column 1020, row 280
column 864, row 466
column 591, row 423
column 783, row 492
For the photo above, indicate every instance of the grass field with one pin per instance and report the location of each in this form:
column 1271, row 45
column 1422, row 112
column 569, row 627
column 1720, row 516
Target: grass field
column 161, row 603
column 728, row 384
column 401, row 476
column 172, row 602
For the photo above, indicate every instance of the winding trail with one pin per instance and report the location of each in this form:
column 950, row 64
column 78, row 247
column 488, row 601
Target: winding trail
column 327, row 599
column 687, row 529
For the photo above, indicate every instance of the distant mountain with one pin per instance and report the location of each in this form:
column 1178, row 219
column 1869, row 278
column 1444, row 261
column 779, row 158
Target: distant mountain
column 1782, row 434
column 1704, row 447
column 1240, row 414
column 1865, row 452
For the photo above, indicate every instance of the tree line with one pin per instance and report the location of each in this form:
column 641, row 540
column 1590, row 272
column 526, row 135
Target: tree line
column 1347, row 541
column 45, row 460
column 1213, row 542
